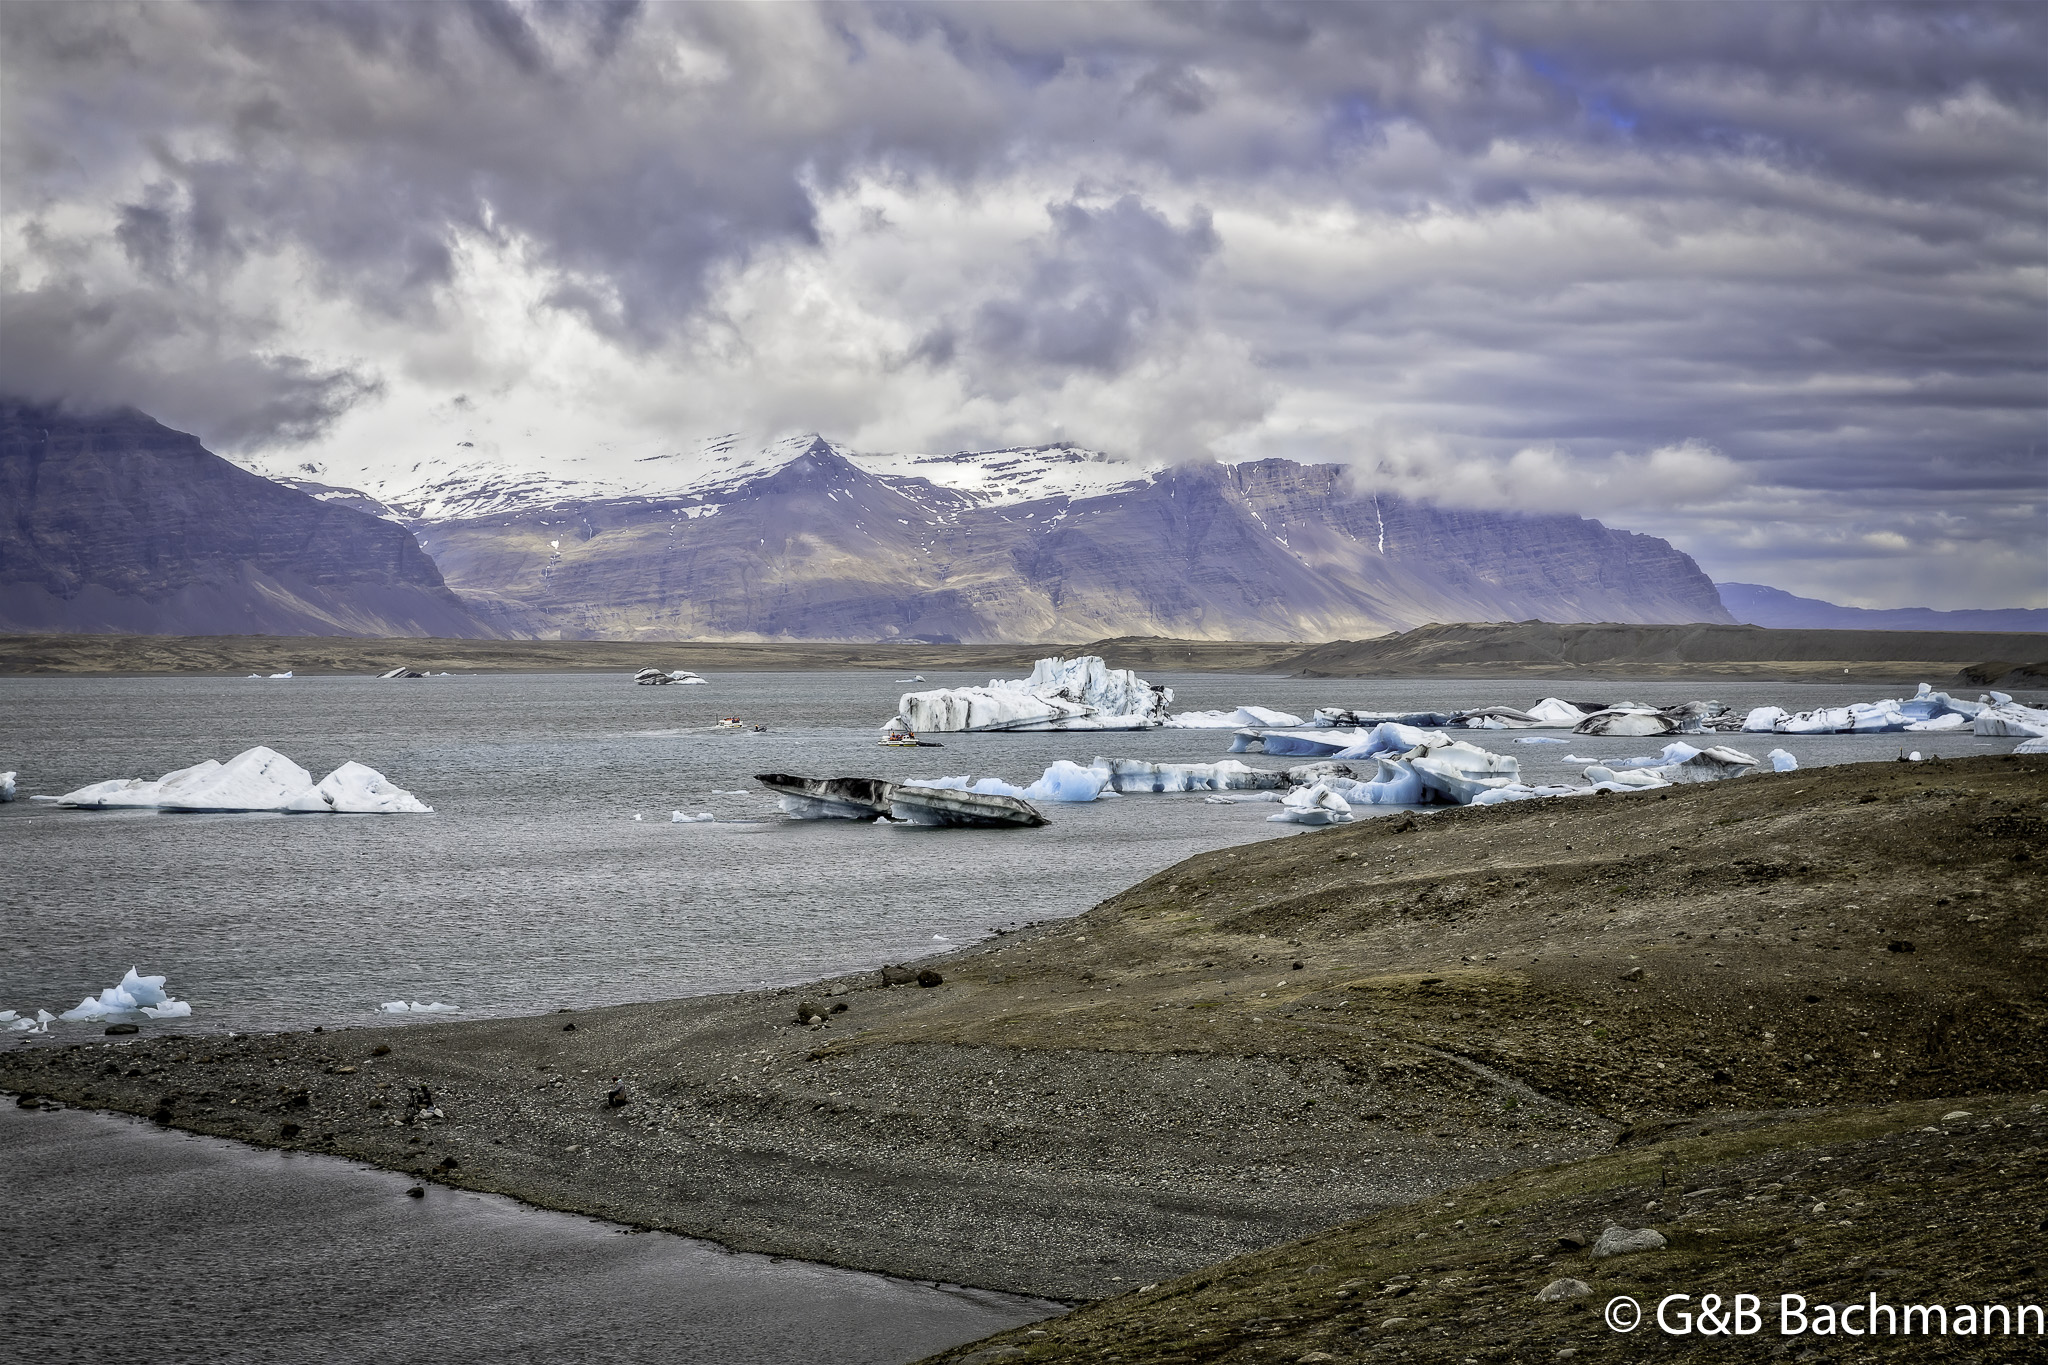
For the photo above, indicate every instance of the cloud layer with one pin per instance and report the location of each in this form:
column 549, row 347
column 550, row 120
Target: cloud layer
column 1765, row 279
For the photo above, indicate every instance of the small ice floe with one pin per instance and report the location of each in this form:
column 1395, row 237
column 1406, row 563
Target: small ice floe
column 681, row 677
column 1254, row 716
column 1313, row 805
column 637, row 817
column 915, row 677
column 400, row 672
column 18, row 1023
column 415, row 1007
column 1060, row 694
column 1540, row 739
column 1679, row 763
column 135, row 995
column 7, row 787
column 1782, row 762
column 280, row 677
column 940, row 938
column 677, row 817
column 2032, row 746
column 1239, row 800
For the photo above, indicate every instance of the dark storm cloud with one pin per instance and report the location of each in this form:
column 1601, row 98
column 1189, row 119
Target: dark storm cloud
column 1807, row 236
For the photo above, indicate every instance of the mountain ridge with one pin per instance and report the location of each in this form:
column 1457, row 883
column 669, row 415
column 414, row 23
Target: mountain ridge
column 1758, row 605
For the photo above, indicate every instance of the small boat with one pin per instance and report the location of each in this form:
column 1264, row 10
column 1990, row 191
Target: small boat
column 730, row 723
column 904, row 739
column 830, row 798
column 963, row 810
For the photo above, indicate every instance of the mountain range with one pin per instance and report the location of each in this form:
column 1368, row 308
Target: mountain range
column 1756, row 605
column 113, row 522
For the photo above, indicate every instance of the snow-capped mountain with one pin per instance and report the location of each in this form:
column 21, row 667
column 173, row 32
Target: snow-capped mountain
column 806, row 539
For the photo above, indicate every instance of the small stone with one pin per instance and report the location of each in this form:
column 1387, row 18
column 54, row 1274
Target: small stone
column 1955, row 1114
column 1899, row 945
column 381, row 1050
column 568, row 1028
column 1620, row 1241
column 840, row 1008
column 416, row 1192
column 1572, row 1242
column 1558, row 1290
column 928, row 977
column 449, row 1163
column 898, row 976
column 290, row 1130
column 1314, row 1358
column 123, row 1028
column 837, row 990
column 810, row 1012
column 1632, row 974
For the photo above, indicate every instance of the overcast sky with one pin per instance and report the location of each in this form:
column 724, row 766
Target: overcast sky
column 1767, row 279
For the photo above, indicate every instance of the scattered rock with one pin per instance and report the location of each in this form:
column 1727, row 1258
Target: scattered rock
column 416, row 1192
column 928, row 977
column 1558, row 1290
column 840, row 1007
column 990, row 1354
column 1899, row 945
column 1620, row 1241
column 1314, row 1358
column 1632, row 974
column 898, row 976
column 1954, row 1115
column 449, row 1163
column 1571, row 1242
column 124, row 1028
column 568, row 1028
column 381, row 1050
column 810, row 1012
column 289, row 1130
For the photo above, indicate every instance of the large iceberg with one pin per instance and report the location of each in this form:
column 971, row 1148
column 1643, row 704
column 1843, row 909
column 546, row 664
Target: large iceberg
column 1680, row 763
column 1060, row 694
column 135, row 995
column 258, row 779
column 1627, row 721
column 1925, row 712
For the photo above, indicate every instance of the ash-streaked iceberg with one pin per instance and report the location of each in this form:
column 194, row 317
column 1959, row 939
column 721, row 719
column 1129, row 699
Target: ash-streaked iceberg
column 1060, row 694
column 135, row 995
column 1627, row 721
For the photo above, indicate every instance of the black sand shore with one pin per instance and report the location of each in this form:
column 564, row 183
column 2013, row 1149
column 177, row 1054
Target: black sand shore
column 1157, row 1086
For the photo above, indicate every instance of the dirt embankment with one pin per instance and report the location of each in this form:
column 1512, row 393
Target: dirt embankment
column 1252, row 1045
column 1531, row 649
column 1543, row 649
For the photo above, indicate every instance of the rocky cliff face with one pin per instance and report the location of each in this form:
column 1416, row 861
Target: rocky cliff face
column 117, row 523
column 823, row 546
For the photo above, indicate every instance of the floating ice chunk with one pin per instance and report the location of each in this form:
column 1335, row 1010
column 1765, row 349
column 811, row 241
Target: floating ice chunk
column 1496, row 718
column 354, row 789
column 1314, row 805
column 135, row 995
column 1231, row 720
column 280, row 677
column 1627, row 720
column 1765, row 719
column 683, row 677
column 1239, row 799
column 1517, row 791
column 21, row 1024
column 2032, row 746
column 1068, row 781
column 1396, row 784
column 1136, row 775
column 258, row 779
column 1627, row 779
column 917, row 677
column 1948, row 720
column 1060, row 694
column 1392, row 737
column 415, row 1007
column 7, row 788
column 1540, row 739
column 2008, row 717
column 1706, row 765
column 676, row 817
column 134, row 793
column 1913, row 757
column 1553, row 712
column 1782, row 762
column 1459, row 771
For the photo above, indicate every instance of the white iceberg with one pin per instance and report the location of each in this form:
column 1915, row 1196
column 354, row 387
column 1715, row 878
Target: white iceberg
column 1392, row 737
column 353, row 789
column 2004, row 716
column 279, row 677
column 1458, row 772
column 19, row 1024
column 7, row 788
column 1060, row 694
column 1679, row 763
column 1782, row 762
column 2032, row 746
column 1231, row 720
column 1560, row 714
column 1541, row 739
column 676, row 817
column 135, row 995
column 258, row 779
column 1765, row 719
column 415, row 1007
column 1240, row 799
column 1313, row 805
column 132, row 793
